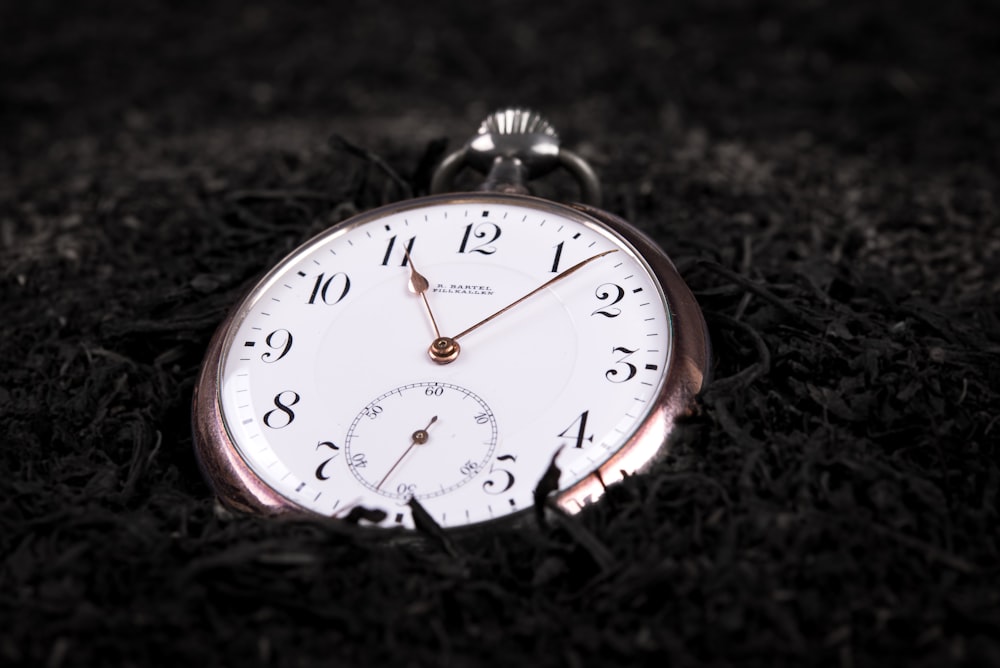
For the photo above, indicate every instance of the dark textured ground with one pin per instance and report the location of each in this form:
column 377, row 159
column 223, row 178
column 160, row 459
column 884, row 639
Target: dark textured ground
column 824, row 174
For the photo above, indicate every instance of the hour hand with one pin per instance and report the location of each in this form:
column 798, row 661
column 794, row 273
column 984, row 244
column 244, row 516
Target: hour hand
column 418, row 285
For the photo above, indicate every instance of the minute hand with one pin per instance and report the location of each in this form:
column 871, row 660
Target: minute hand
column 575, row 267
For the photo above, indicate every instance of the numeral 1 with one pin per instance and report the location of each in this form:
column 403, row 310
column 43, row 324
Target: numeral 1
column 555, row 262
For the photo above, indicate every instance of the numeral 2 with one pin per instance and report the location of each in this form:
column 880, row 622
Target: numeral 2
column 603, row 292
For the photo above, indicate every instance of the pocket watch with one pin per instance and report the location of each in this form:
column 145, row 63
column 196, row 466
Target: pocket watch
column 450, row 349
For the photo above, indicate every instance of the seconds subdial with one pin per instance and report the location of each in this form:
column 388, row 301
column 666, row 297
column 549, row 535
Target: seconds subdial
column 456, row 434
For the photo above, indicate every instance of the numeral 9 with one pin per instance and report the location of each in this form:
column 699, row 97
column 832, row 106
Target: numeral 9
column 279, row 339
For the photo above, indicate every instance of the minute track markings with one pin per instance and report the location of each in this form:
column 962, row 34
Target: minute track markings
column 523, row 237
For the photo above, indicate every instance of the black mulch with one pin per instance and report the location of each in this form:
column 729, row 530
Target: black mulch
column 824, row 175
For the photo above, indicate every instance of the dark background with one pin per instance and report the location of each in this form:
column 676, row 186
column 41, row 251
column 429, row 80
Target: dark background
column 823, row 173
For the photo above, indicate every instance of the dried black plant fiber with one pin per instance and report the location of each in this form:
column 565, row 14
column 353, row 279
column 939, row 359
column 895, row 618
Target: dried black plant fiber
column 824, row 176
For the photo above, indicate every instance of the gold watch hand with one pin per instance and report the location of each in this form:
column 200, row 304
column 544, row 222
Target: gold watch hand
column 418, row 286
column 419, row 437
column 575, row 267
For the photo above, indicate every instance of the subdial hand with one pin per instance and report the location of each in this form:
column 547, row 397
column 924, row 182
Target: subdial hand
column 418, row 285
column 419, row 437
column 445, row 349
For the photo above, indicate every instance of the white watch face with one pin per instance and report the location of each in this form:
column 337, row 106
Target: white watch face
column 331, row 396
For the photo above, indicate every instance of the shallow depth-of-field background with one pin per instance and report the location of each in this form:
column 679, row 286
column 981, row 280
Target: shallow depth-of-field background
column 824, row 174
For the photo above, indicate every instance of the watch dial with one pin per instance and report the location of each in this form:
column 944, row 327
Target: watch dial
column 331, row 395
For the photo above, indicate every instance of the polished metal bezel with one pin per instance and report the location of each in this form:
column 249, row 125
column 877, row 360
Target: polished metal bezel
column 239, row 488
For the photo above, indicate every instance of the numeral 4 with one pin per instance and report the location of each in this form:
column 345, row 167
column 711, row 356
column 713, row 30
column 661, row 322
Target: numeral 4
column 577, row 430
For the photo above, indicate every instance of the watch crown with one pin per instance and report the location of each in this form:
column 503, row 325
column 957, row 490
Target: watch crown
column 517, row 121
column 515, row 136
column 513, row 146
